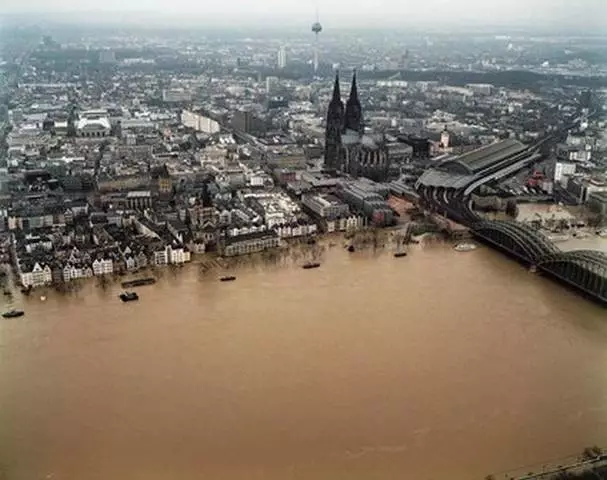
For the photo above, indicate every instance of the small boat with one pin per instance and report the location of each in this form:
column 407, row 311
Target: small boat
column 229, row 278
column 139, row 282
column 311, row 241
column 42, row 298
column 465, row 247
column 13, row 314
column 310, row 265
column 129, row 297
column 533, row 269
column 26, row 290
column 351, row 249
column 558, row 237
column 400, row 254
column 7, row 292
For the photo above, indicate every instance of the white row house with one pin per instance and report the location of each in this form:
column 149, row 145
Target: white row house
column 252, row 243
column 37, row 276
column 103, row 267
column 179, row 255
column 197, row 246
column 172, row 255
column 289, row 231
column 236, row 232
column 345, row 224
column 161, row 257
column 131, row 263
column 73, row 272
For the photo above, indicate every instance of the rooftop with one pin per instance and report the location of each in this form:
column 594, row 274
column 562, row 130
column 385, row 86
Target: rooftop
column 481, row 158
column 93, row 123
column 251, row 236
column 139, row 194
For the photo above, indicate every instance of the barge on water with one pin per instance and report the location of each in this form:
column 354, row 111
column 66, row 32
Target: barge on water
column 311, row 265
column 129, row 297
column 141, row 282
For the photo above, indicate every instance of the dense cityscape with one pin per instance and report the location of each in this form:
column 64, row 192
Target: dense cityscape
column 126, row 151
column 122, row 151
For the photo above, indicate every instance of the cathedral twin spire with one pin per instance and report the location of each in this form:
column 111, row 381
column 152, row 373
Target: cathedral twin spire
column 340, row 121
column 352, row 117
column 336, row 91
column 346, row 150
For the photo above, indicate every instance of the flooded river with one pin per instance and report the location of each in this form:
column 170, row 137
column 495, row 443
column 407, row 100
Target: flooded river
column 440, row 364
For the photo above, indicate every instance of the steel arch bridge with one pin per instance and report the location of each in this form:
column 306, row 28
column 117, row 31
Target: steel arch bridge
column 518, row 239
column 585, row 270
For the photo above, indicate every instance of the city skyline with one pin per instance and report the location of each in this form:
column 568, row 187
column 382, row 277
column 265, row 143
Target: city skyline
column 230, row 251
column 585, row 14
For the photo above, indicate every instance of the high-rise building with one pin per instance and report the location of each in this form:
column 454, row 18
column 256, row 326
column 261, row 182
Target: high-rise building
column 199, row 122
column 282, row 57
column 176, row 95
column 107, row 56
column 445, row 138
column 245, row 121
column 271, row 85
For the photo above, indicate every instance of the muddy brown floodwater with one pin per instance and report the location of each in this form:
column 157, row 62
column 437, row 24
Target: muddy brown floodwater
column 440, row 364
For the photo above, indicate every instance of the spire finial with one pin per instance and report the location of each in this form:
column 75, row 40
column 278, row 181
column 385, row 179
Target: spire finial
column 354, row 89
column 336, row 92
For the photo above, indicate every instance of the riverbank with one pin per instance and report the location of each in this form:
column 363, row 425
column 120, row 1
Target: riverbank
column 292, row 252
column 373, row 366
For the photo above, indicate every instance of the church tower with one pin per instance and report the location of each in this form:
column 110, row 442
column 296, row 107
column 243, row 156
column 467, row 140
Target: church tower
column 334, row 127
column 354, row 113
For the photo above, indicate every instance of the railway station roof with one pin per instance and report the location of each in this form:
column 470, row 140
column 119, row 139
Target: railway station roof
column 477, row 160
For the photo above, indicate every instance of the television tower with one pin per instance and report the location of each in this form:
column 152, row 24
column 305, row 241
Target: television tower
column 316, row 28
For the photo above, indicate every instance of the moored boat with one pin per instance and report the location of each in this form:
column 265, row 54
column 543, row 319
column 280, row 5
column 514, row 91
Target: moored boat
column 310, row 265
column 351, row 249
column 228, row 278
column 558, row 237
column 400, row 254
column 140, row 282
column 13, row 313
column 129, row 297
column 465, row 247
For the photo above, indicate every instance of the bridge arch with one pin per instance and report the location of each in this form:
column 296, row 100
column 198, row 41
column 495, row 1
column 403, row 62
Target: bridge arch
column 584, row 269
column 520, row 240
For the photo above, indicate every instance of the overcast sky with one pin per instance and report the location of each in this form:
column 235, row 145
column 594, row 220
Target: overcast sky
column 579, row 14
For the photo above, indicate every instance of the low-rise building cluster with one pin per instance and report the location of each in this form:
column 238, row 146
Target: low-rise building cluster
column 136, row 163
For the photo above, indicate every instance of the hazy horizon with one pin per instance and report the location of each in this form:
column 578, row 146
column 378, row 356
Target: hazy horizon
column 587, row 15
